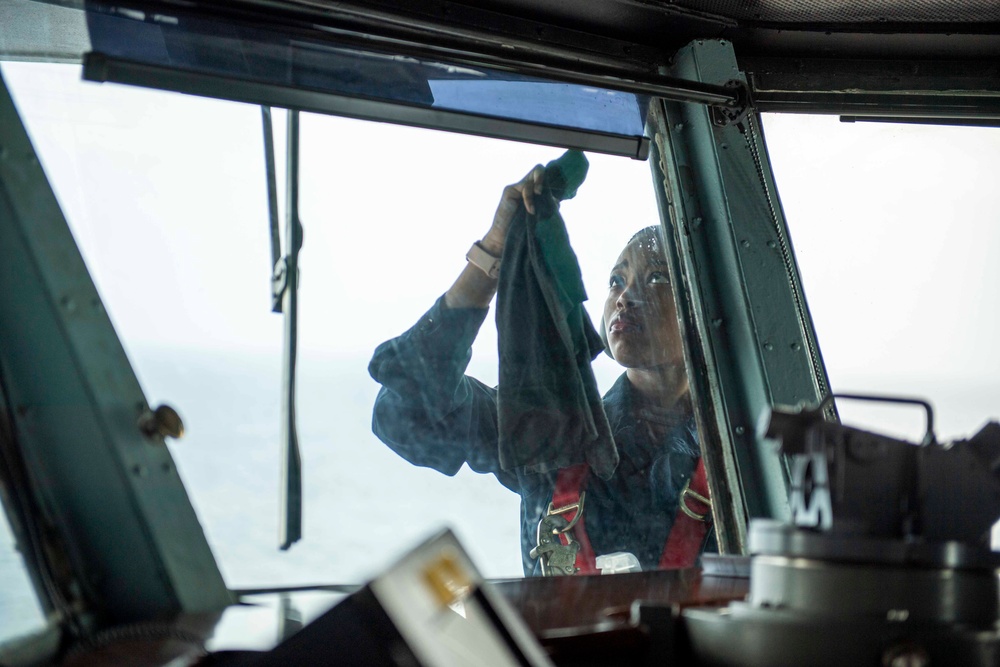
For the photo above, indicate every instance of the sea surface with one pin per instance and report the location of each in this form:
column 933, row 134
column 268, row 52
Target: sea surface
column 363, row 506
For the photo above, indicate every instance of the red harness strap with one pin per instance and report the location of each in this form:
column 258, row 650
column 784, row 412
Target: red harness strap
column 694, row 516
column 569, row 489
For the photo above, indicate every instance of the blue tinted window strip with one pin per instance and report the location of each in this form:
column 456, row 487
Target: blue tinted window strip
column 100, row 68
column 241, row 54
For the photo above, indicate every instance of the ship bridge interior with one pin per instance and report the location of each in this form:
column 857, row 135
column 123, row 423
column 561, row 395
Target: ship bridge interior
column 213, row 213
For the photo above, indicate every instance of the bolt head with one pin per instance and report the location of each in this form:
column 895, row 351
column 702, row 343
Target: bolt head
column 163, row 421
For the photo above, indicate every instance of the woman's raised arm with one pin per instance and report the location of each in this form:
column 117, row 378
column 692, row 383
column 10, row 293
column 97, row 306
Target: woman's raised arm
column 474, row 288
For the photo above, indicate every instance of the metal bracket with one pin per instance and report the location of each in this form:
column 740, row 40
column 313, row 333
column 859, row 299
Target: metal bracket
column 279, row 283
column 555, row 557
column 730, row 114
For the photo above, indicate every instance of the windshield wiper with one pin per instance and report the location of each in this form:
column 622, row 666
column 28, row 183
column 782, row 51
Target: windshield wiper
column 284, row 299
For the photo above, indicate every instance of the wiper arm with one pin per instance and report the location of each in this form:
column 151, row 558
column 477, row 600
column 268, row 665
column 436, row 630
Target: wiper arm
column 272, row 209
column 284, row 299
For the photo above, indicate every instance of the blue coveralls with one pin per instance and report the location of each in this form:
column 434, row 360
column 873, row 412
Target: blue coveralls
column 433, row 415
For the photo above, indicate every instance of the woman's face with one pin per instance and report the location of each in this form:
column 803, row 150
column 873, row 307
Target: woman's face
column 639, row 314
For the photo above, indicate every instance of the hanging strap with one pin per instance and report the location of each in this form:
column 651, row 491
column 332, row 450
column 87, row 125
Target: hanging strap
column 694, row 516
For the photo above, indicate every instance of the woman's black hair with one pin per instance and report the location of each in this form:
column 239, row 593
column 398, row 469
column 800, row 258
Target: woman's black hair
column 652, row 230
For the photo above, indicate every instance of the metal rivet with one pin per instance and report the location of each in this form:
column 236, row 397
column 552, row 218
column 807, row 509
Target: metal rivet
column 740, row 430
column 139, row 470
column 679, row 126
column 68, row 303
column 772, row 244
column 897, row 614
column 717, row 322
column 696, row 222
column 796, row 347
column 768, row 346
column 745, row 243
column 725, row 146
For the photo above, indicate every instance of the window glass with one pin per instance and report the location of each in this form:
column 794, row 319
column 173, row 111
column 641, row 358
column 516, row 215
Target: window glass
column 895, row 230
column 166, row 197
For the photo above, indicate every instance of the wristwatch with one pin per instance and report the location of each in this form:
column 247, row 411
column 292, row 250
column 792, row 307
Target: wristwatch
column 489, row 264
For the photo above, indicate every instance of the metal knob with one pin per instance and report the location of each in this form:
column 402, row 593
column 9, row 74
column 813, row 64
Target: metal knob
column 163, row 421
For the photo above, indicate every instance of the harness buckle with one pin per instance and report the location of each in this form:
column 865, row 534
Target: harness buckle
column 685, row 493
column 555, row 557
column 565, row 509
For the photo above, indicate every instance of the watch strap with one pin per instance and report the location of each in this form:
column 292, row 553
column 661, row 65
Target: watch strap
column 486, row 262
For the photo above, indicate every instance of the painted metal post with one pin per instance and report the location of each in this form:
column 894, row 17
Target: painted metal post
column 748, row 334
column 112, row 508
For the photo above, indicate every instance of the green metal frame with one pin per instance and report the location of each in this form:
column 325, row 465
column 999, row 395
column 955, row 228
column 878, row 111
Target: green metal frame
column 748, row 334
column 107, row 495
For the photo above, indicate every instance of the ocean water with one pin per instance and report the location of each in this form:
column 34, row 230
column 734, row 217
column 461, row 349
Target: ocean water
column 362, row 504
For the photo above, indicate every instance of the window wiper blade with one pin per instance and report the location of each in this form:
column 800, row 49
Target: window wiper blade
column 284, row 299
column 272, row 206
